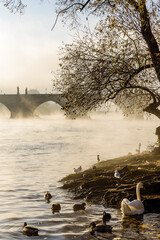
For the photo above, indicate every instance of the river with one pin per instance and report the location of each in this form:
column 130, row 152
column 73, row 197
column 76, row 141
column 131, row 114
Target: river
column 36, row 153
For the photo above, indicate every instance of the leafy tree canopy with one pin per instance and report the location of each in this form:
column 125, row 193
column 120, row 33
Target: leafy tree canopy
column 103, row 66
column 121, row 58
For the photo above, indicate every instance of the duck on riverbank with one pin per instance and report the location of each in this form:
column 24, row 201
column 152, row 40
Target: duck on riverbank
column 99, row 186
column 116, row 174
column 98, row 158
column 77, row 170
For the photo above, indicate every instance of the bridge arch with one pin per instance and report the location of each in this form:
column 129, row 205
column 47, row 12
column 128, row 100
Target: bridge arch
column 48, row 108
column 4, row 111
column 24, row 105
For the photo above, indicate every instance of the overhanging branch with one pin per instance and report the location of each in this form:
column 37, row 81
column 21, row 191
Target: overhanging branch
column 64, row 10
column 84, row 5
column 138, row 71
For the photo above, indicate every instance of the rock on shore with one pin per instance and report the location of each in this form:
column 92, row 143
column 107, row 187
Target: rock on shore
column 98, row 184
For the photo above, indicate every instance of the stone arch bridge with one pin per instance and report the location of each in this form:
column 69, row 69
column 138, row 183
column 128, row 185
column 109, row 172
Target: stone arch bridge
column 24, row 105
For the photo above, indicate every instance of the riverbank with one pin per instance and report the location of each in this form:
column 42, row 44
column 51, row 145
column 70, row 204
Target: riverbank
column 98, row 185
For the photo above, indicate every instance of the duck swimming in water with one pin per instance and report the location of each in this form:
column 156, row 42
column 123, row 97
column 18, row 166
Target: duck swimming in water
column 30, row 230
column 106, row 217
column 78, row 207
column 56, row 207
column 47, row 196
column 100, row 228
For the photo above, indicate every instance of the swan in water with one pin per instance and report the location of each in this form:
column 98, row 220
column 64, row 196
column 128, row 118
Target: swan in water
column 134, row 207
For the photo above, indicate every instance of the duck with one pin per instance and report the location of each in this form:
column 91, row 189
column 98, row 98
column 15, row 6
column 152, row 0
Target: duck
column 56, row 207
column 76, row 170
column 139, row 149
column 116, row 174
column 103, row 228
column 47, row 196
column 134, row 207
column 106, row 217
column 30, row 230
column 77, row 207
column 98, row 158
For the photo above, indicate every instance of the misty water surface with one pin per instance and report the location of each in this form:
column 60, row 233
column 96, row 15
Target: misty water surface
column 35, row 154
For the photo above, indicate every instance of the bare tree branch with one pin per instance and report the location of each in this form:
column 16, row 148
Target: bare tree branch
column 64, row 10
column 84, row 5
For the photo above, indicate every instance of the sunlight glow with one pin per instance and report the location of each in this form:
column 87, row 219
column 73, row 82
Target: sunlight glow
column 29, row 49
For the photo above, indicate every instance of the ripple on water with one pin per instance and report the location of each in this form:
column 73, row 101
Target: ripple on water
column 36, row 154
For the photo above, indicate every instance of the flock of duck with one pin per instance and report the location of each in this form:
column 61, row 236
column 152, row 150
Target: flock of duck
column 128, row 208
column 33, row 231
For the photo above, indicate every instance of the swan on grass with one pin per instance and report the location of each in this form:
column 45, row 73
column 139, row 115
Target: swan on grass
column 134, row 207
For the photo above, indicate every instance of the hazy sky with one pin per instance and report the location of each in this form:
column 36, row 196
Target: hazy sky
column 28, row 47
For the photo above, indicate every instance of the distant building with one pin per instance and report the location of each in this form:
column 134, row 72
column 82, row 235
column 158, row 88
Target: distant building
column 33, row 91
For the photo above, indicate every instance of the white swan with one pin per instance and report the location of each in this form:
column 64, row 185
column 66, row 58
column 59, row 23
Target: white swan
column 136, row 206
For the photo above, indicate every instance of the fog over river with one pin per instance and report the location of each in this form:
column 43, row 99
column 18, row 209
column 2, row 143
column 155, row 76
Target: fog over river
column 36, row 153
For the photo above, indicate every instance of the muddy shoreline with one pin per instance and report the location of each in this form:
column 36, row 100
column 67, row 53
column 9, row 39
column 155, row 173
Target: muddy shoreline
column 98, row 185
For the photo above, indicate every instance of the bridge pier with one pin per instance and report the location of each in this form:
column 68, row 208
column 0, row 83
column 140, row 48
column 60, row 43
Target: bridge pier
column 21, row 113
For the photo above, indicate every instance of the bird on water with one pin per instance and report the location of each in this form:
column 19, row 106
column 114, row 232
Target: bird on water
column 106, row 217
column 47, row 196
column 103, row 228
column 30, row 230
column 56, row 207
column 78, row 207
column 100, row 228
column 134, row 207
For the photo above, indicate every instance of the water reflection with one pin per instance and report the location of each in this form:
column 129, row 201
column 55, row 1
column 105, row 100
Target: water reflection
column 131, row 225
column 139, row 227
column 132, row 222
column 35, row 154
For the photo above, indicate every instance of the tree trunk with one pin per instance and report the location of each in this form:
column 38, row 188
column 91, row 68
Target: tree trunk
column 149, row 37
column 153, row 109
